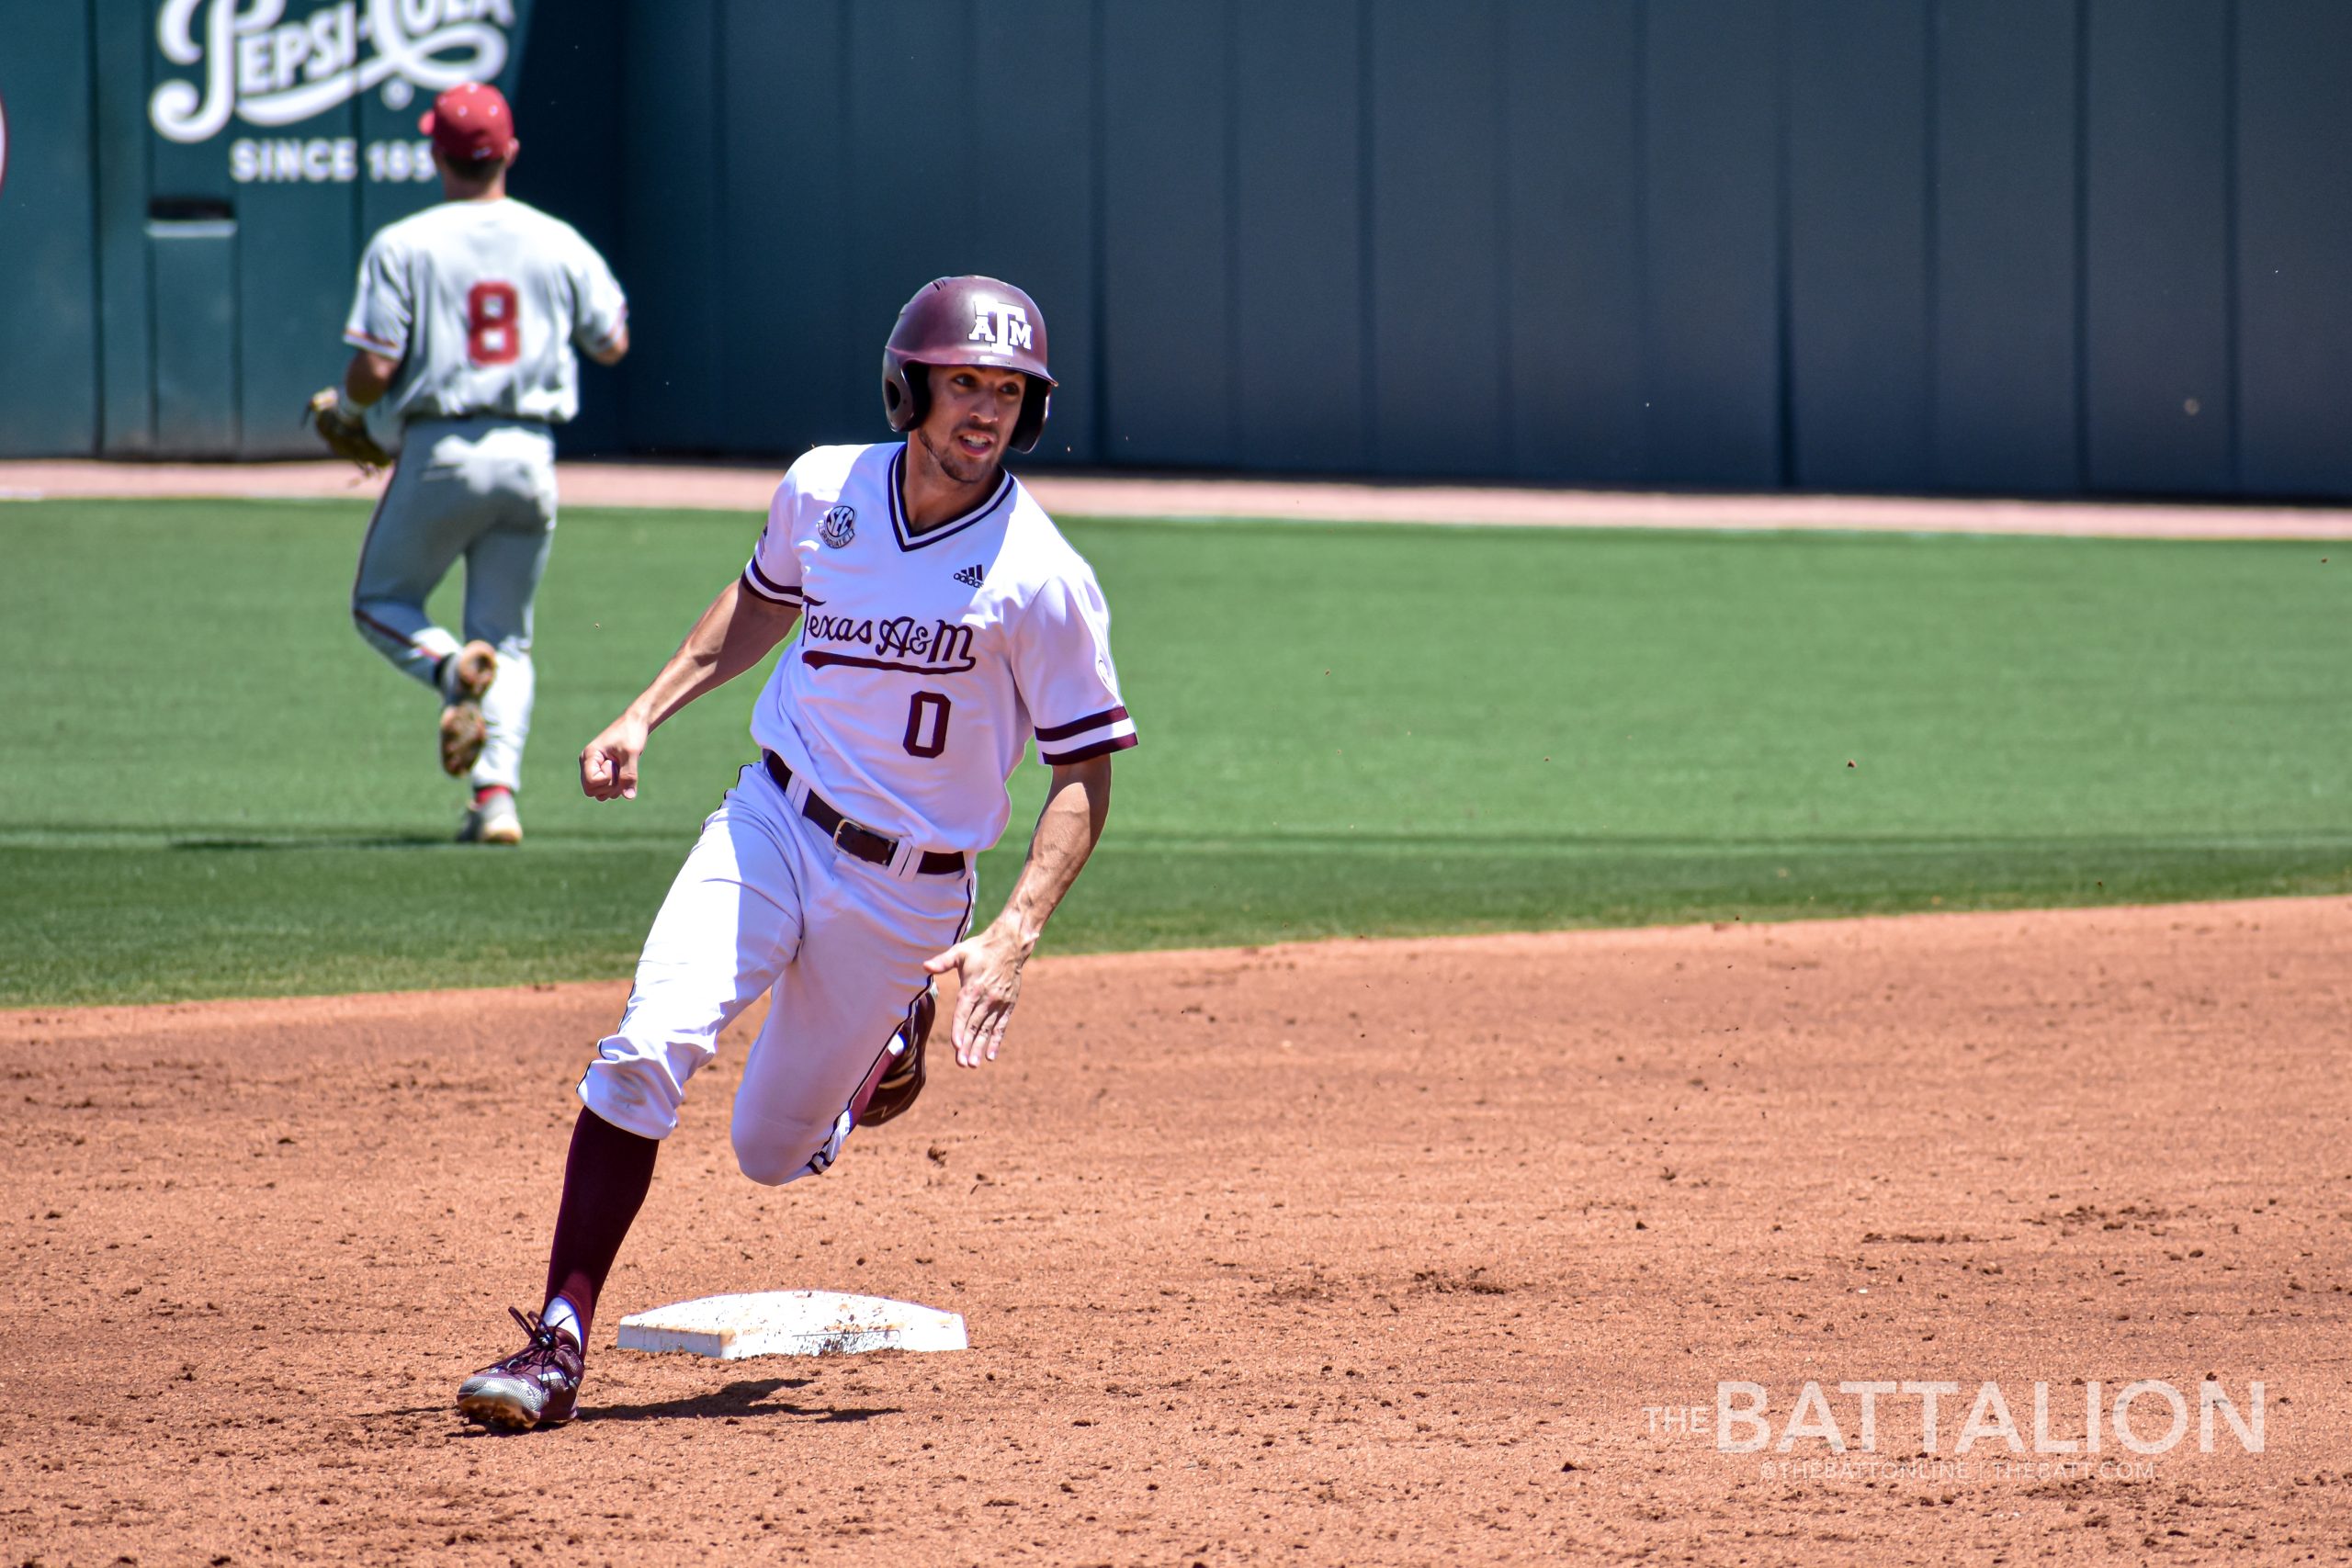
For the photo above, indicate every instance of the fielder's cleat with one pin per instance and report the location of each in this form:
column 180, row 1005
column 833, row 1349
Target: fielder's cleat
column 537, row 1386
column 463, row 730
column 466, row 675
column 492, row 820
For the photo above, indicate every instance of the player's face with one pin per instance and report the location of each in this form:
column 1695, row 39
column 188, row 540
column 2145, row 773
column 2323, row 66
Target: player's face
column 973, row 409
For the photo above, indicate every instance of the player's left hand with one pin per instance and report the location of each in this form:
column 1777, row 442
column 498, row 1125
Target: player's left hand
column 987, row 971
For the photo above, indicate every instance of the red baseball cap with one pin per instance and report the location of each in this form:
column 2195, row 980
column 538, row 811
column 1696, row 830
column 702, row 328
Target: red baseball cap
column 471, row 123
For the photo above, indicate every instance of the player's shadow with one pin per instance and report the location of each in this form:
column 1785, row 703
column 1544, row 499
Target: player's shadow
column 749, row 1397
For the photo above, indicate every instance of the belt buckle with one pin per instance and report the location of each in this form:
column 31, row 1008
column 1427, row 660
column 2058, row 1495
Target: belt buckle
column 847, row 826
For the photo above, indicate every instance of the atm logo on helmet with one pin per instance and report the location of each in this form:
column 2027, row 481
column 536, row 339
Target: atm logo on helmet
column 1002, row 326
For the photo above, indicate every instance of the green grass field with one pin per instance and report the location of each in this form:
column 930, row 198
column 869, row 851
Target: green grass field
column 214, row 788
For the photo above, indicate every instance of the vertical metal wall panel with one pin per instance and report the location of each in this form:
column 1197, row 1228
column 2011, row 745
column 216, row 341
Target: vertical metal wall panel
column 296, row 260
column 567, row 98
column 1033, row 223
column 2294, row 258
column 122, row 42
column 2007, row 393
column 48, row 341
column 1167, row 296
column 675, row 170
column 1298, row 385
column 195, row 309
column 1436, row 324
column 913, row 182
column 1711, row 223
column 792, row 377
column 2157, row 366
column 195, row 267
column 1573, row 217
column 1858, row 227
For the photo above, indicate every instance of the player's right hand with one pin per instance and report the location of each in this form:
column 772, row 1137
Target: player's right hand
column 608, row 764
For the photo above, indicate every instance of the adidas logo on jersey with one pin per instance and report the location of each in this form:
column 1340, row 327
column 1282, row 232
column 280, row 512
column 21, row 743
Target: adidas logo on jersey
column 969, row 577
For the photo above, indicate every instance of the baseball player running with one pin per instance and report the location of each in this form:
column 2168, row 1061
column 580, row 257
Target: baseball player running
column 463, row 334
column 943, row 621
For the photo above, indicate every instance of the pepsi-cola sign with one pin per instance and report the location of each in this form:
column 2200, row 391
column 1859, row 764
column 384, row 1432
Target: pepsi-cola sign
column 256, row 66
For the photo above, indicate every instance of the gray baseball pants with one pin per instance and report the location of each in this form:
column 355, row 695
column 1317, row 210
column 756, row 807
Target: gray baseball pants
column 483, row 489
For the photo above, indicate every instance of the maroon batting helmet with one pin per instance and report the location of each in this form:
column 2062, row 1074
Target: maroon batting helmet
column 968, row 320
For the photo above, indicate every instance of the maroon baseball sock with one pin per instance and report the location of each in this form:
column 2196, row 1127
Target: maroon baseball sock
column 604, row 1180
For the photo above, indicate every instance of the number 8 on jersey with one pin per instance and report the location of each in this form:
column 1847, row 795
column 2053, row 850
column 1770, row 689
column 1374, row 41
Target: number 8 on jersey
column 493, row 330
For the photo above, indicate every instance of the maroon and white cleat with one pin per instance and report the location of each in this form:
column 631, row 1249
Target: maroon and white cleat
column 537, row 1386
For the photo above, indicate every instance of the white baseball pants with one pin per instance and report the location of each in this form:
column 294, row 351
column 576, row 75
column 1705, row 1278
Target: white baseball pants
column 765, row 901
column 483, row 489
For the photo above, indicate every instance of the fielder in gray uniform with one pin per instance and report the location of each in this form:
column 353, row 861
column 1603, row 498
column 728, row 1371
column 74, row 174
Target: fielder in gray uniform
column 463, row 334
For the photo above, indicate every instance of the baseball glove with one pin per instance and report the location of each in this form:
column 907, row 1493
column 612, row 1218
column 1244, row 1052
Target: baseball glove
column 345, row 433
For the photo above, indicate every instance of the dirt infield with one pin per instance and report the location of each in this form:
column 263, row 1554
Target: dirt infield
column 1409, row 1252
column 748, row 489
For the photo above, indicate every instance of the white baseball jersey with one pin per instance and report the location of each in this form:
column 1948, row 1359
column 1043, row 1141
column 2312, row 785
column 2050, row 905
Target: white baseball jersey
column 926, row 663
column 482, row 302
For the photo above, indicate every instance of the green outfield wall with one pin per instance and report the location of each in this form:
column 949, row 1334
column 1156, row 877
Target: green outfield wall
column 2005, row 246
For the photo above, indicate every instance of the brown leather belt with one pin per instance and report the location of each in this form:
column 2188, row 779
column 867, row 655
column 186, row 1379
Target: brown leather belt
column 855, row 837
